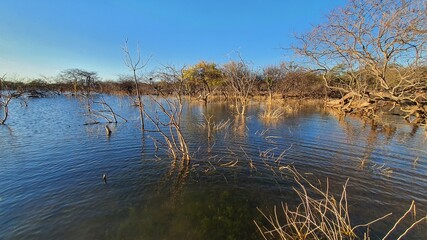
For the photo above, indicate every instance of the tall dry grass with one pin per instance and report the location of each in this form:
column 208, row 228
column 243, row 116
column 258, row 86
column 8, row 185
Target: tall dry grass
column 321, row 215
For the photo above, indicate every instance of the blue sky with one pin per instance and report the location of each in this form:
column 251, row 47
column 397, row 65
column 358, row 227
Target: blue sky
column 44, row 37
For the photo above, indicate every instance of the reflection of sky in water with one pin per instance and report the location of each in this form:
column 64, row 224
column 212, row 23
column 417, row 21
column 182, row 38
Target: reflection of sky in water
column 51, row 166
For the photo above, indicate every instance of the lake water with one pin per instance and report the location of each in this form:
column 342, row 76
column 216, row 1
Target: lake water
column 51, row 168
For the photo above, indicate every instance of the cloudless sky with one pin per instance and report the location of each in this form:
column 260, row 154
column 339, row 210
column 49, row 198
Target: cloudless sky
column 44, row 37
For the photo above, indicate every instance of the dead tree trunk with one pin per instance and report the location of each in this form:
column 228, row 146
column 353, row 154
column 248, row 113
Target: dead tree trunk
column 135, row 66
column 5, row 100
column 5, row 106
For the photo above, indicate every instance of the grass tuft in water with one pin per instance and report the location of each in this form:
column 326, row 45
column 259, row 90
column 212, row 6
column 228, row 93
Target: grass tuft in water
column 321, row 215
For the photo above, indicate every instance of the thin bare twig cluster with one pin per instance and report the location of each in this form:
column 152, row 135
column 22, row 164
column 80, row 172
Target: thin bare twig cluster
column 167, row 118
column 239, row 79
column 212, row 126
column 135, row 65
column 99, row 109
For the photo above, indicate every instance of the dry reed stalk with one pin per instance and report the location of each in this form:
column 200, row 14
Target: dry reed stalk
column 251, row 163
column 101, row 109
column 212, row 126
column 269, row 156
column 320, row 215
column 232, row 163
column 270, row 114
column 262, row 133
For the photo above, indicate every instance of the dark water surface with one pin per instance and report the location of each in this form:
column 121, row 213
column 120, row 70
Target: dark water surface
column 51, row 168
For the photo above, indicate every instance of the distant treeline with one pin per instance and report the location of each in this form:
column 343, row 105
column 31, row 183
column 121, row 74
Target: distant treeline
column 371, row 54
column 286, row 80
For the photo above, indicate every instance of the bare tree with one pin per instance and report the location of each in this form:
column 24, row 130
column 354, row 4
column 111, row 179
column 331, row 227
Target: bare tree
column 84, row 86
column 380, row 48
column 240, row 80
column 170, row 107
column 1, row 82
column 98, row 108
column 6, row 97
column 136, row 65
column 81, row 80
column 272, row 75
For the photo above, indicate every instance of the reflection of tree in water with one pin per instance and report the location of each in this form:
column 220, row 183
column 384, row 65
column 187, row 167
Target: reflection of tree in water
column 191, row 204
column 9, row 130
column 376, row 134
column 239, row 127
column 176, row 178
column 371, row 144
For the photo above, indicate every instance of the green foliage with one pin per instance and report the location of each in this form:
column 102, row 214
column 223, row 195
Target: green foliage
column 203, row 75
